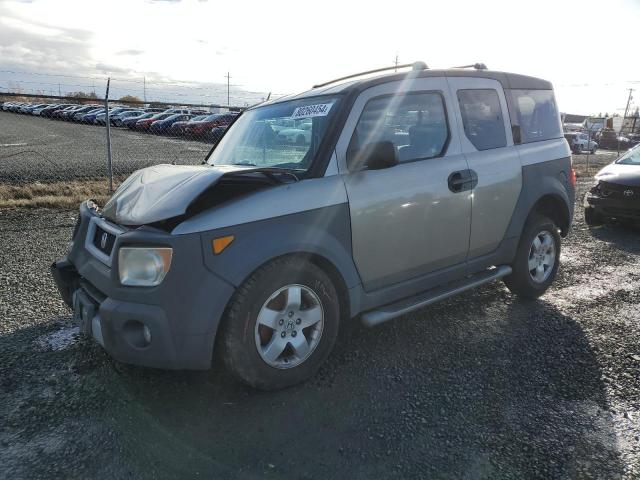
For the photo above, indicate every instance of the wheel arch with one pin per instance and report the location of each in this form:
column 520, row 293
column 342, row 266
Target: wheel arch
column 546, row 190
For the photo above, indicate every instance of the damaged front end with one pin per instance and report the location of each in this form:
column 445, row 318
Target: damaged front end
column 164, row 195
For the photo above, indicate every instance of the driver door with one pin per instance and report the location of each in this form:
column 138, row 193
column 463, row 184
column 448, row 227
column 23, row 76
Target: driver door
column 408, row 220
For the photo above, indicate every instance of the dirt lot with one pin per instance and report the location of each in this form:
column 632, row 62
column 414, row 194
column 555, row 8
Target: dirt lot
column 41, row 149
column 480, row 386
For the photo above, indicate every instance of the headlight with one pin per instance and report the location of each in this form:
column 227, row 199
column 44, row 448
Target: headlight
column 143, row 266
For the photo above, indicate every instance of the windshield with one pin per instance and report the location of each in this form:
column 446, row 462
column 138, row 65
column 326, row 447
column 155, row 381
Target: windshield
column 632, row 157
column 282, row 135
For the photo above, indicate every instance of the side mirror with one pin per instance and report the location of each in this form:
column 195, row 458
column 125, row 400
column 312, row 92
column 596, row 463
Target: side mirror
column 372, row 156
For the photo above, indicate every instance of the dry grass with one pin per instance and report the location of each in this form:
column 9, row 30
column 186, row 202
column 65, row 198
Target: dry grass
column 68, row 194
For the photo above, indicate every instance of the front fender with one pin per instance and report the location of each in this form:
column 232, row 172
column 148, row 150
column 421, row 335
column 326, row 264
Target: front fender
column 323, row 231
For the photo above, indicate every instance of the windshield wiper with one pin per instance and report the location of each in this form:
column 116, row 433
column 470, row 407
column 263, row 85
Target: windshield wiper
column 273, row 173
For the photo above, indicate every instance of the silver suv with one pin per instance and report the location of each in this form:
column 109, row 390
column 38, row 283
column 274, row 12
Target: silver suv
column 409, row 188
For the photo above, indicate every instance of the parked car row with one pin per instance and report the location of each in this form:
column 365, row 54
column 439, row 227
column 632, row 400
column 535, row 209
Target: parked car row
column 179, row 122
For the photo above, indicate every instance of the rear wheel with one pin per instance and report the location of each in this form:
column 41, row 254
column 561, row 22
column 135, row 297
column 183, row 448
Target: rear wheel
column 537, row 258
column 281, row 324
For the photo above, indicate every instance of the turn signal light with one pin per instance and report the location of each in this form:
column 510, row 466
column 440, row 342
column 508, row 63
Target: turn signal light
column 572, row 174
column 220, row 243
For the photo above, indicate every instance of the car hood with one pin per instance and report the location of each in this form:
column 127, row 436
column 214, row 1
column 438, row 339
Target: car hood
column 620, row 174
column 162, row 192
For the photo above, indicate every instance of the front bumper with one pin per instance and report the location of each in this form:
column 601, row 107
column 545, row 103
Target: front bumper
column 182, row 313
column 612, row 207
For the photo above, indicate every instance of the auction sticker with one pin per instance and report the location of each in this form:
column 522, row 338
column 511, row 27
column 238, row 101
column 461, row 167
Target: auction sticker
column 318, row 110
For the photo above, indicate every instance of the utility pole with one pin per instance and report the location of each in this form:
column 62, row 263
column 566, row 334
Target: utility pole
column 144, row 83
column 228, row 77
column 626, row 110
column 396, row 63
column 59, row 94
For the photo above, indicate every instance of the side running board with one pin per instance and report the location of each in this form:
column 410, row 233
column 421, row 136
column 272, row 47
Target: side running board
column 393, row 310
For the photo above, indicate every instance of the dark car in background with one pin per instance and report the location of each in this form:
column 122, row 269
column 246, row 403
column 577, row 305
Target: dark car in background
column 161, row 126
column 130, row 122
column 145, row 124
column 47, row 111
column 216, row 134
column 202, row 128
column 116, row 120
column 58, row 112
column 177, row 129
column 87, row 116
column 616, row 193
column 71, row 114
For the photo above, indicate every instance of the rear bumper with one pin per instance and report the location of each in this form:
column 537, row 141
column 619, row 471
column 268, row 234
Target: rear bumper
column 182, row 314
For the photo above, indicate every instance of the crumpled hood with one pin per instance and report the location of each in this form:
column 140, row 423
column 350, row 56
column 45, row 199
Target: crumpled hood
column 162, row 191
column 620, row 174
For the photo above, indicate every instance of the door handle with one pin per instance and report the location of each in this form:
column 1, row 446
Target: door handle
column 462, row 180
column 457, row 181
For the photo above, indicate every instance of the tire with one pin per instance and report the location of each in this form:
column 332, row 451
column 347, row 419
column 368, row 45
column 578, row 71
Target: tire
column 592, row 218
column 521, row 281
column 248, row 345
column 593, row 151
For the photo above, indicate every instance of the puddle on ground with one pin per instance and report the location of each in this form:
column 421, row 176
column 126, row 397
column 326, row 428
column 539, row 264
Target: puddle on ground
column 58, row 339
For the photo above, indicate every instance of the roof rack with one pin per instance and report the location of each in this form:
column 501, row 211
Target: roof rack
column 477, row 66
column 414, row 66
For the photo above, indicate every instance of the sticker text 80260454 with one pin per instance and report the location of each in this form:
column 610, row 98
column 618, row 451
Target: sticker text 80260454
column 318, row 110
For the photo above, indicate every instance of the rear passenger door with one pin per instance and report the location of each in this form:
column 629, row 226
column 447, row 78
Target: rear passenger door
column 486, row 142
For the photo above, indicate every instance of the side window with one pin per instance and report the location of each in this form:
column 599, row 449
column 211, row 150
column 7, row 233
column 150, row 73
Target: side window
column 482, row 118
column 415, row 123
column 535, row 112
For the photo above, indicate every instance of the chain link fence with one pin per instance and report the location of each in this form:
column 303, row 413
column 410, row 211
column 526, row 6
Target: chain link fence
column 47, row 141
column 62, row 140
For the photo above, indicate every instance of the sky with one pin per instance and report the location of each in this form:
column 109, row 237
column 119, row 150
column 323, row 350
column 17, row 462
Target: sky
column 186, row 47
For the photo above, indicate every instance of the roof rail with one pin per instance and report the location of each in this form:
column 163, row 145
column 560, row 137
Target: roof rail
column 414, row 66
column 477, row 66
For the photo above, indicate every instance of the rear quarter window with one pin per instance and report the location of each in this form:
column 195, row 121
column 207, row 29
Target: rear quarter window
column 482, row 118
column 535, row 113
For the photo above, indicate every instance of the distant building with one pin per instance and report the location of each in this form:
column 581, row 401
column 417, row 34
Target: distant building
column 571, row 118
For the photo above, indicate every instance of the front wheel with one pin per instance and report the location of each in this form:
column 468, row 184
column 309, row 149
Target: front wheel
column 281, row 324
column 537, row 258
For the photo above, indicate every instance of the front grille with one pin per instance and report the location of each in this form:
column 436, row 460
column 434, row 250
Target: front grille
column 621, row 192
column 103, row 240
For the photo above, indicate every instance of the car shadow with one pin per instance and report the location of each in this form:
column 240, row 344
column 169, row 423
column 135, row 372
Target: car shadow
column 625, row 236
column 481, row 386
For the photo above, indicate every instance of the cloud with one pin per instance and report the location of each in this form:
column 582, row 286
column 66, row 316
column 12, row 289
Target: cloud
column 31, row 44
column 131, row 51
column 111, row 69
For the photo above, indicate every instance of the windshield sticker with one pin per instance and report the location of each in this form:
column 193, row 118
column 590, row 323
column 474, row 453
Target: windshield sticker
column 319, row 110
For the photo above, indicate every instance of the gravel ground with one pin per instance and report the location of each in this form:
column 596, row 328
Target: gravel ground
column 480, row 386
column 41, row 149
